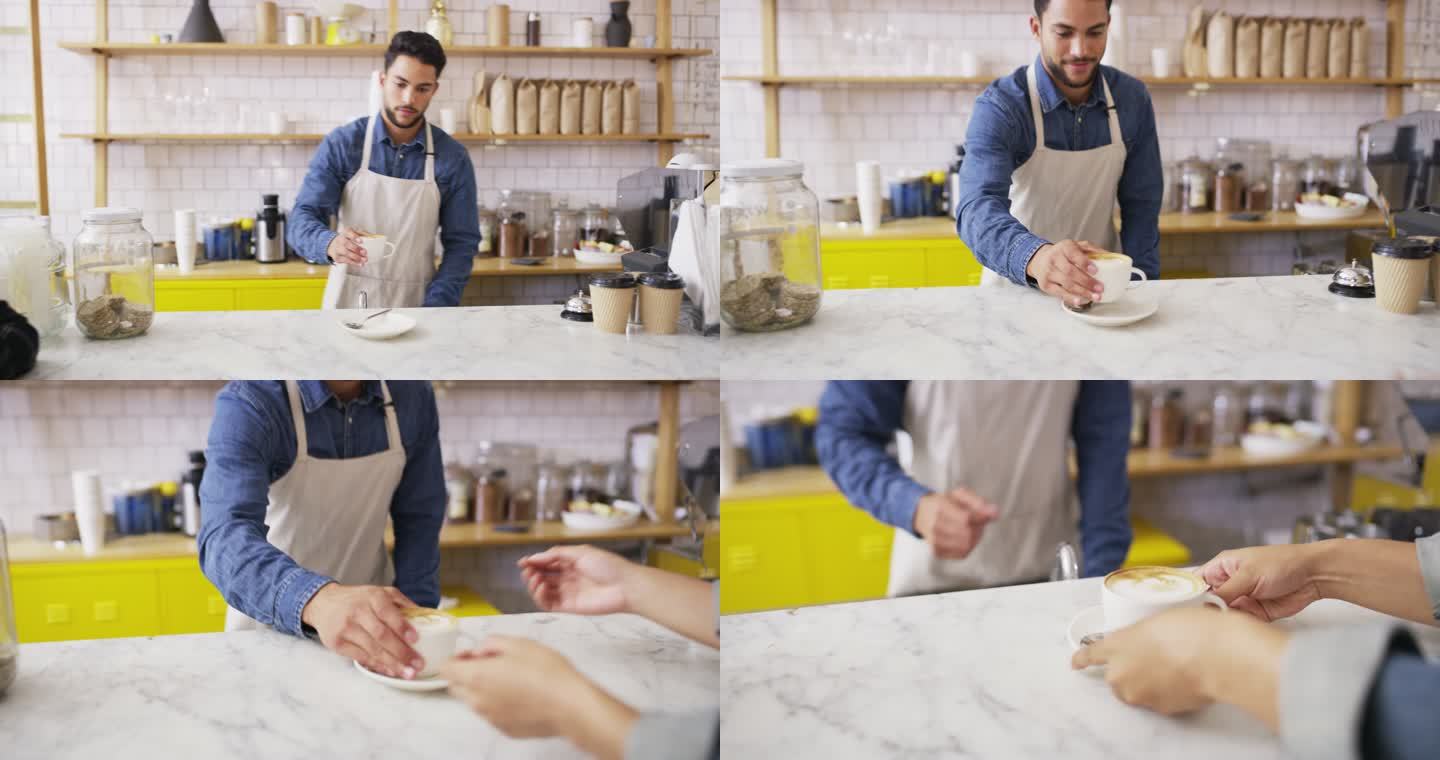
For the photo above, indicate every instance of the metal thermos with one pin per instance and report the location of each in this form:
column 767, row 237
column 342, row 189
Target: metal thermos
column 270, row 231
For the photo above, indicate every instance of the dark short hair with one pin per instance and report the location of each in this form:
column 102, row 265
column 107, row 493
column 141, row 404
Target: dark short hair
column 1044, row 5
column 418, row 45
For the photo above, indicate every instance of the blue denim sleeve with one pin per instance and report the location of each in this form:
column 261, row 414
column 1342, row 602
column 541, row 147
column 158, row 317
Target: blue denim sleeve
column 1100, row 428
column 459, row 232
column 1399, row 721
column 992, row 142
column 1142, row 187
column 307, row 228
column 255, row 578
column 858, row 419
column 418, row 507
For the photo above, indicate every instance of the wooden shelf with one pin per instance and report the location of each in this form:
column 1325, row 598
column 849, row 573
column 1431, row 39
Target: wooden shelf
column 473, row 534
column 298, row 138
column 986, row 80
column 116, row 49
column 1141, row 463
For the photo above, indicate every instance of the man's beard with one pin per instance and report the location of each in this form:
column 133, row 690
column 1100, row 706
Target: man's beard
column 1057, row 70
column 395, row 119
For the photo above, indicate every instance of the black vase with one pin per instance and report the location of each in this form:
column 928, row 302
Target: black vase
column 200, row 25
column 617, row 31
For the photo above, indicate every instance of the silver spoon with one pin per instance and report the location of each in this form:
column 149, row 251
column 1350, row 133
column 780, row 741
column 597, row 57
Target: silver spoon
column 361, row 323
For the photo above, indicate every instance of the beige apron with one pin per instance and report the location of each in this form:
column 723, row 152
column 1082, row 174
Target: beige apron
column 407, row 213
column 1067, row 194
column 330, row 515
column 1007, row 442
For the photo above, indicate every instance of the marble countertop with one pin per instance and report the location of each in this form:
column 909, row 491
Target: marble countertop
column 264, row 694
column 1247, row 328
column 979, row 674
column 479, row 342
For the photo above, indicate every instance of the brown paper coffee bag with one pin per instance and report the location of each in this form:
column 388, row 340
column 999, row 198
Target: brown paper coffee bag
column 527, row 107
column 1297, row 32
column 480, row 105
column 571, row 100
column 1317, row 59
column 1195, row 61
column 502, row 106
column 1359, row 48
column 1220, row 46
column 631, row 97
column 550, row 107
column 593, row 108
column 1339, row 66
column 1272, row 48
column 613, row 106
column 1247, row 46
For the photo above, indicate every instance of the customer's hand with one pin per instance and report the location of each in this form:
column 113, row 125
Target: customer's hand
column 953, row 522
column 1063, row 270
column 1183, row 660
column 1269, row 582
column 365, row 623
column 345, row 248
column 526, row 689
column 582, row 580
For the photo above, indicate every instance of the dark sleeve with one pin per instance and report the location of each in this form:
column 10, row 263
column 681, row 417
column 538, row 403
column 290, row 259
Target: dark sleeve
column 993, row 141
column 858, row 420
column 1399, row 722
column 459, row 234
column 1142, row 187
column 307, row 227
column 675, row 736
column 417, row 509
column 1100, row 428
column 255, row 578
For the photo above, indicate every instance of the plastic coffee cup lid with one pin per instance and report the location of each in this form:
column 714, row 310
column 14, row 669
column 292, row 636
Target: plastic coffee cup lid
column 613, row 280
column 662, row 280
column 1404, row 248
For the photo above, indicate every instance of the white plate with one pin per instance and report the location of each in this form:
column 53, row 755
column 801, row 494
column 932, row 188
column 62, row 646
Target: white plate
column 1263, row 445
column 1135, row 307
column 1087, row 621
column 1321, row 211
column 598, row 257
column 384, row 327
column 585, row 521
column 419, row 684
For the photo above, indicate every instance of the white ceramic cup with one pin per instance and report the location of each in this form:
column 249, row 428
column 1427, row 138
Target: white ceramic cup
column 969, row 64
column 1132, row 594
column 1161, row 62
column 185, row 242
column 447, row 120
column 277, row 123
column 1115, row 270
column 377, row 247
column 582, row 32
column 439, row 635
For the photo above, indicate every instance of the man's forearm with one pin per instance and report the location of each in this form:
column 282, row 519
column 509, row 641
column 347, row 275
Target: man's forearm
column 1380, row 575
column 684, row 605
column 309, row 235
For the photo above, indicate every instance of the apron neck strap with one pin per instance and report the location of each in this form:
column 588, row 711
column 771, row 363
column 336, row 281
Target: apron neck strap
column 392, row 423
column 429, row 153
column 297, row 411
column 369, row 138
column 1111, row 111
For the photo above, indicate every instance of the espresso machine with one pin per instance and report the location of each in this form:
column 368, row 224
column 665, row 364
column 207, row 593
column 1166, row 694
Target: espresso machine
column 1400, row 158
column 648, row 204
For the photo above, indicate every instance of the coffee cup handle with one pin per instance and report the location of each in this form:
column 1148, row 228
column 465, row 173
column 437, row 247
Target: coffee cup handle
column 1143, row 278
column 1211, row 600
column 390, row 249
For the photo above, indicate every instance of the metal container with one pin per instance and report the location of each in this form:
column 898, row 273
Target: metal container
column 270, row 231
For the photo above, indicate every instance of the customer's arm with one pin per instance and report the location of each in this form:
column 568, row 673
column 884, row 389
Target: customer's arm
column 858, row 420
column 254, row 577
column 1100, row 427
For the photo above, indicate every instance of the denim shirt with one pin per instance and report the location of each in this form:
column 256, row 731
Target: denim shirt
column 1001, row 137
column 252, row 444
column 858, row 420
column 338, row 159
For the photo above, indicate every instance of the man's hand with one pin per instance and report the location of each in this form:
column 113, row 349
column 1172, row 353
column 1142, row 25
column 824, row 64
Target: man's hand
column 953, row 522
column 1183, row 660
column 526, row 689
column 365, row 624
column 1269, row 582
column 578, row 579
column 346, row 248
column 1063, row 270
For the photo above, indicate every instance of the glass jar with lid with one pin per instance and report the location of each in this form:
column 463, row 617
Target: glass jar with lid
column 489, row 228
column 32, row 273
column 550, row 493
column 1347, row 175
column 566, row 232
column 769, row 246
column 1316, row 176
column 1229, row 188
column 114, row 275
column 1195, row 181
column 1284, row 185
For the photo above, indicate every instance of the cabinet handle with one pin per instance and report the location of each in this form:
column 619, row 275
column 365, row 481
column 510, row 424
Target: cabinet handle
column 872, row 548
column 107, row 612
column 742, row 558
column 57, row 614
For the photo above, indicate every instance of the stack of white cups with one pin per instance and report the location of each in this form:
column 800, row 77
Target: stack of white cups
column 185, row 237
column 867, row 195
column 89, row 509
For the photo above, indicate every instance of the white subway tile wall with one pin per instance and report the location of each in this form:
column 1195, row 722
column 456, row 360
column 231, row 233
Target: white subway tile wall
column 143, row 431
column 915, row 128
column 235, row 94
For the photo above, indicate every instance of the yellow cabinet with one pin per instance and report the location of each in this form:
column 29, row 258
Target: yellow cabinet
column 257, row 294
column 950, row 266
column 189, row 603
column 851, row 552
column 761, row 561
column 59, row 602
column 898, row 263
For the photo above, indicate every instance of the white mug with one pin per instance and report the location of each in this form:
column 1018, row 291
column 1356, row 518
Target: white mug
column 1160, row 61
column 1122, row 610
column 377, row 247
column 1114, row 274
column 437, row 642
column 447, row 120
column 582, row 32
column 279, row 125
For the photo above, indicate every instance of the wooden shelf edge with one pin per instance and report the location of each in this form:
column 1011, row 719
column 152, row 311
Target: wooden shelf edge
column 227, row 48
column 465, row 138
column 1152, row 81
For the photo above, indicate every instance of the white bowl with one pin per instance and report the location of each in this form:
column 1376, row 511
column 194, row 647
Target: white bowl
column 1264, row 445
column 598, row 257
column 1321, row 211
column 584, row 521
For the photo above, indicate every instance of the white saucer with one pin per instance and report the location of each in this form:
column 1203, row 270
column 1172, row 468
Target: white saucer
column 1087, row 621
column 419, row 684
column 1133, row 308
column 386, row 326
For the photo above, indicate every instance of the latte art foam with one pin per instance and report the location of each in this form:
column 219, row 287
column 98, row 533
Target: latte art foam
column 1155, row 584
column 430, row 620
